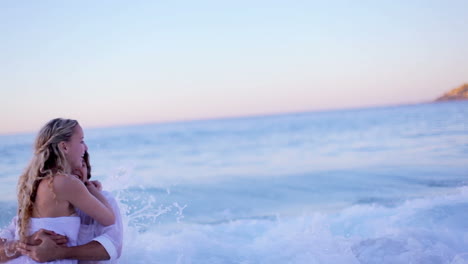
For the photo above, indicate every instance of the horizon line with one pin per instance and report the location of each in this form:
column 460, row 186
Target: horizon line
column 228, row 117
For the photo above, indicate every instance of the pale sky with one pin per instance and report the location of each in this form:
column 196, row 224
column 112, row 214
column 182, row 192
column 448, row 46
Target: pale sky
column 128, row 62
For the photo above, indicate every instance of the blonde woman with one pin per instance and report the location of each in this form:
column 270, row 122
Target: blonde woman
column 48, row 192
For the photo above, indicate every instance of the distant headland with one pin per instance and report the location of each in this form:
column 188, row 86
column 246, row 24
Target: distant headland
column 459, row 93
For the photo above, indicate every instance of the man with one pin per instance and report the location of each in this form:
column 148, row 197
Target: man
column 97, row 243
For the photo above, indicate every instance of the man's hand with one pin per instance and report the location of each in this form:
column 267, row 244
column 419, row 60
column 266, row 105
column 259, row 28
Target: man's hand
column 46, row 251
column 35, row 238
column 47, row 246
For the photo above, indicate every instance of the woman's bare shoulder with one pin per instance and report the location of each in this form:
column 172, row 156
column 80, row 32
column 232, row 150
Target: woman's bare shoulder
column 66, row 183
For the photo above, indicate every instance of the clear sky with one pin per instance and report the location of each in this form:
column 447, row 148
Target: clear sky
column 125, row 62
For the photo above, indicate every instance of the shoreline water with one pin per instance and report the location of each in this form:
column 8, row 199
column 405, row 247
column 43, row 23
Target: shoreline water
column 367, row 186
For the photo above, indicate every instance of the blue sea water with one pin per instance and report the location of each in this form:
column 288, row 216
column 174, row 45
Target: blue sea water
column 376, row 185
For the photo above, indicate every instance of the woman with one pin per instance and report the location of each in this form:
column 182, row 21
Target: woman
column 48, row 192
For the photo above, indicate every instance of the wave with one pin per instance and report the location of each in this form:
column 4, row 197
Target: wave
column 425, row 230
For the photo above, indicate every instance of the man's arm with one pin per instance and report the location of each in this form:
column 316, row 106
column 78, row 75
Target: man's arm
column 48, row 250
column 111, row 237
column 90, row 251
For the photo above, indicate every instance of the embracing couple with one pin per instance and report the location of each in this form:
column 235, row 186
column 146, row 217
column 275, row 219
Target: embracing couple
column 63, row 217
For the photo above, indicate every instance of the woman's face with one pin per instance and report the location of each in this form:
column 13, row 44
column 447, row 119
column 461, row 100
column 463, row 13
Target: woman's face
column 75, row 148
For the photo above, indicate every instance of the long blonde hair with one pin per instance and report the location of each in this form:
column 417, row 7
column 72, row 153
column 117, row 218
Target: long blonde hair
column 48, row 160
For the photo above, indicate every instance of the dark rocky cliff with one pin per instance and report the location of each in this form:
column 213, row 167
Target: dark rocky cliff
column 459, row 93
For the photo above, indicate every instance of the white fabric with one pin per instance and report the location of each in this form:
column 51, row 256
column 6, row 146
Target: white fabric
column 67, row 225
column 110, row 237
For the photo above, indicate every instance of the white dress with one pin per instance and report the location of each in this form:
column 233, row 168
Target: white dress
column 66, row 225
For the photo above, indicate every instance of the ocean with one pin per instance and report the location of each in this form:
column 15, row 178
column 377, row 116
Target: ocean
column 374, row 185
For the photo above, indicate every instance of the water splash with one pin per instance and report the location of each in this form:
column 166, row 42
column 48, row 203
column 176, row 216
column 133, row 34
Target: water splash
column 359, row 234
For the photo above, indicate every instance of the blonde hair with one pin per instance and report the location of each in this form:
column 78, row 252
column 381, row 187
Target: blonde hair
column 48, row 160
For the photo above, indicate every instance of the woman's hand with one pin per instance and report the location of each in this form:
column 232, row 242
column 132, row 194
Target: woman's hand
column 97, row 184
column 93, row 187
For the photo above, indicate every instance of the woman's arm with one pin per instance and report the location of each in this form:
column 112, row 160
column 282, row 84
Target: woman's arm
column 95, row 188
column 87, row 199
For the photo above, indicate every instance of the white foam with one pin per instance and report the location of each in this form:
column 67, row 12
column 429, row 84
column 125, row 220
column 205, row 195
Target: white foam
column 429, row 230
